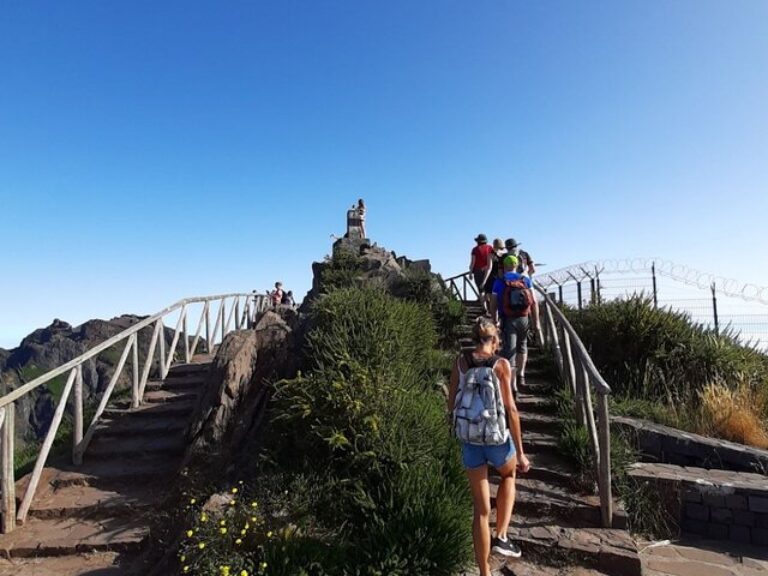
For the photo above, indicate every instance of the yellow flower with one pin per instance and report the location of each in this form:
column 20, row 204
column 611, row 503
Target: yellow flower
column 254, row 519
column 182, row 559
column 238, row 541
column 201, row 545
column 225, row 571
column 223, row 530
column 263, row 565
column 232, row 502
column 240, row 482
column 189, row 535
column 254, row 504
column 234, row 490
column 247, row 526
column 193, row 501
column 222, row 522
column 204, row 517
column 186, row 569
column 242, row 532
column 244, row 573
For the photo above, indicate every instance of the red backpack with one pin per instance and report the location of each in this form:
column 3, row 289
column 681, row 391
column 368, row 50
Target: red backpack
column 516, row 299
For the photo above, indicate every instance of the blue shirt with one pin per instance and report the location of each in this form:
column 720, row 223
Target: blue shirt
column 498, row 288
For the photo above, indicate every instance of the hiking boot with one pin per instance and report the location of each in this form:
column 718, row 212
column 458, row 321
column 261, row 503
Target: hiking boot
column 506, row 548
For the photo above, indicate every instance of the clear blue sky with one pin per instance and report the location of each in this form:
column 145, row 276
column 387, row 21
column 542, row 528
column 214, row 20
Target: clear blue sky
column 155, row 150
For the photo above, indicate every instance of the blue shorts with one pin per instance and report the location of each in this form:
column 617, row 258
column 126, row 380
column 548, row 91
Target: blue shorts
column 476, row 456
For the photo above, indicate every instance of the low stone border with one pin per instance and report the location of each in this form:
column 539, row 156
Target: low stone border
column 719, row 504
column 672, row 446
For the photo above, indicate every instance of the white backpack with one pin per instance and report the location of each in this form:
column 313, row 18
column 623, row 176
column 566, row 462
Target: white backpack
column 478, row 411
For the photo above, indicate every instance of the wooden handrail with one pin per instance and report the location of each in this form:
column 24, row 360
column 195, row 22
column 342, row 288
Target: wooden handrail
column 254, row 303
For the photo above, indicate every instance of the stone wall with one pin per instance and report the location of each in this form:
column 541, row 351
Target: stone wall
column 671, row 446
column 717, row 504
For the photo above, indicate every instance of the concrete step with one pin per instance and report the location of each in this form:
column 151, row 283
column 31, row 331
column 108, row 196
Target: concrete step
column 121, row 500
column 106, row 473
column 65, row 536
column 90, row 564
column 136, row 446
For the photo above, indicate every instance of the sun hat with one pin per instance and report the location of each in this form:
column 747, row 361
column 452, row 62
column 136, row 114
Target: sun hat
column 481, row 238
column 498, row 244
column 511, row 243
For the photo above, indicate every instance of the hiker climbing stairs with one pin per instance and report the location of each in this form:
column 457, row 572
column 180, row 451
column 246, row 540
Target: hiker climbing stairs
column 99, row 515
column 557, row 527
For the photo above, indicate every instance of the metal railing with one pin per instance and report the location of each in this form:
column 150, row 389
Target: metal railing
column 579, row 373
column 240, row 308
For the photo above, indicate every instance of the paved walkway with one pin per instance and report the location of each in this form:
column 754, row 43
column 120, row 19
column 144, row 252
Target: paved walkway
column 702, row 558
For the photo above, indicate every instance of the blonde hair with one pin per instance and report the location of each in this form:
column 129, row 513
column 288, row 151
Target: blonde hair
column 484, row 329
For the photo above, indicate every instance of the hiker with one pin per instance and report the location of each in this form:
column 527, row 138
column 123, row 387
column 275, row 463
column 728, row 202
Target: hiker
column 483, row 422
column 526, row 266
column 496, row 256
column 480, row 264
column 511, row 307
column 361, row 214
column 287, row 299
column 276, row 296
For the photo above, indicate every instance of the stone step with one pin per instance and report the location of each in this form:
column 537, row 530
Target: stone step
column 90, row 564
column 127, row 426
column 106, row 473
column 166, row 409
column 120, row 500
column 197, row 368
column 65, row 536
column 163, row 396
column 551, row 468
column 540, row 443
column 538, row 422
column 136, row 446
column 609, row 550
column 539, row 404
column 180, row 383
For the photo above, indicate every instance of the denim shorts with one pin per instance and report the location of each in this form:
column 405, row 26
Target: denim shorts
column 476, row 456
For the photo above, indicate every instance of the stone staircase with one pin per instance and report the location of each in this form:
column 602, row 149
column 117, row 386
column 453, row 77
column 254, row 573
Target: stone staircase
column 557, row 527
column 94, row 519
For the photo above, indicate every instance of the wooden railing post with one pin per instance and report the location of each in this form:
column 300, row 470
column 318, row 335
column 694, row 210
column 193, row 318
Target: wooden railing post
column 161, row 363
column 77, row 433
column 149, row 360
column 8, row 481
column 606, row 492
column 34, row 479
column 186, row 339
column 570, row 369
column 135, row 400
column 207, row 312
column 237, row 313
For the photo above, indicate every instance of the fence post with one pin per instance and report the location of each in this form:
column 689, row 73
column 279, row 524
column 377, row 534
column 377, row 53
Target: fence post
column 560, row 293
column 714, row 309
column 655, row 291
column 135, row 400
column 578, row 292
column 8, row 481
column 606, row 495
column 597, row 281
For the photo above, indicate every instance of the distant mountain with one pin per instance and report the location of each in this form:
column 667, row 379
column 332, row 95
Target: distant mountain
column 50, row 347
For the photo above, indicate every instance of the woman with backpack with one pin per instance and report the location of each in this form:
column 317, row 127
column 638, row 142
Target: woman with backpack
column 487, row 423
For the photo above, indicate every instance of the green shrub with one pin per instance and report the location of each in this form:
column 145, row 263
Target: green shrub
column 341, row 271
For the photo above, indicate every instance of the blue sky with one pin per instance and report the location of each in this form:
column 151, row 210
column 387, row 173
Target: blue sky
column 151, row 151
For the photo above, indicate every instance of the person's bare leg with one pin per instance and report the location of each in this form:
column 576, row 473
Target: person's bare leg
column 505, row 497
column 481, row 532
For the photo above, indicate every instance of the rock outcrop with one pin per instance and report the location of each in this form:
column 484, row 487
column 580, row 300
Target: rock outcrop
column 228, row 415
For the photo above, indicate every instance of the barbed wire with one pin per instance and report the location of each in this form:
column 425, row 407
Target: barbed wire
column 678, row 272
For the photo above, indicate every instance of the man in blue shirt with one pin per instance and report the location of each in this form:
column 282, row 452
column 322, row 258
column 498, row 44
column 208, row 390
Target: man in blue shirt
column 512, row 305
